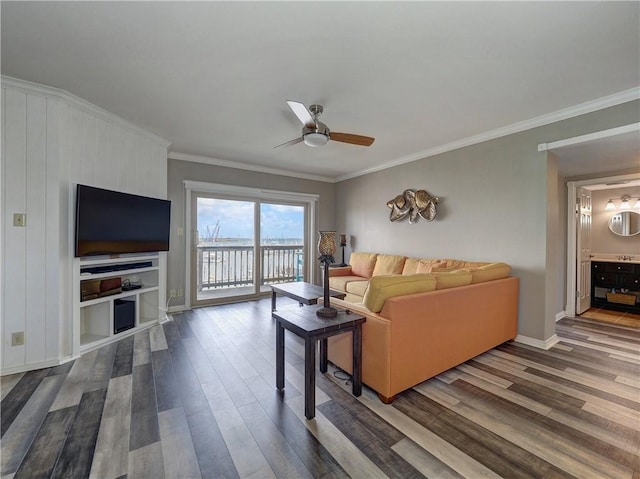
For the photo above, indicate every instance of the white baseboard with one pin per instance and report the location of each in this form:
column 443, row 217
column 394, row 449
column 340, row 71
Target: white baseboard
column 177, row 309
column 560, row 315
column 23, row 368
column 536, row 343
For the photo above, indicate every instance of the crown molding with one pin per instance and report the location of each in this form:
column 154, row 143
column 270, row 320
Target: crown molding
column 31, row 88
column 564, row 114
column 598, row 135
column 174, row 155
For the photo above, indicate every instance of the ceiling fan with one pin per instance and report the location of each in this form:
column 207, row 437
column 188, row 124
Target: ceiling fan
column 315, row 133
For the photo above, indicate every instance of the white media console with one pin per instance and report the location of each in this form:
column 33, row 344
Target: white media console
column 95, row 316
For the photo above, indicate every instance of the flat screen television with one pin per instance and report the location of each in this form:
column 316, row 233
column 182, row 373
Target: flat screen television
column 111, row 222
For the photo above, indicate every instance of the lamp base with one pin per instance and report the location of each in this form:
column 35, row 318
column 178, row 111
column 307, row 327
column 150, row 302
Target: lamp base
column 327, row 312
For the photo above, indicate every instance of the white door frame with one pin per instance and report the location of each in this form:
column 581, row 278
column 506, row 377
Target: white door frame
column 572, row 233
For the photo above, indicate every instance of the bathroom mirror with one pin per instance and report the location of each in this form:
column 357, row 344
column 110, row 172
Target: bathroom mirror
column 625, row 223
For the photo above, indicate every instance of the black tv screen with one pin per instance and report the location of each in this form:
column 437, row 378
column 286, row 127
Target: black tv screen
column 111, row 222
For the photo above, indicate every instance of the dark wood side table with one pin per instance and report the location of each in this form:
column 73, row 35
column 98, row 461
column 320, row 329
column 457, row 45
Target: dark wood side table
column 304, row 323
column 303, row 293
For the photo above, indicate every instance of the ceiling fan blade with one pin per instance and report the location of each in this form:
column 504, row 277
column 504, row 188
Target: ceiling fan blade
column 289, row 143
column 301, row 112
column 353, row 139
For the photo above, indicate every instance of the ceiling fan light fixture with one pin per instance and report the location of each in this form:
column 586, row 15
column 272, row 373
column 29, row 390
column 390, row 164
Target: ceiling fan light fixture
column 315, row 139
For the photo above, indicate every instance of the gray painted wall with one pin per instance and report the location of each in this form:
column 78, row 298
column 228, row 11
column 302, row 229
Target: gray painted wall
column 179, row 171
column 499, row 201
column 602, row 239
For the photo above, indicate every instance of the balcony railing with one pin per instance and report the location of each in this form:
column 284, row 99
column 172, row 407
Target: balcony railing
column 230, row 266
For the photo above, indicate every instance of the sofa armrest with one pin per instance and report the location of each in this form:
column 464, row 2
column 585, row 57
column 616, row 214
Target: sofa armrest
column 341, row 271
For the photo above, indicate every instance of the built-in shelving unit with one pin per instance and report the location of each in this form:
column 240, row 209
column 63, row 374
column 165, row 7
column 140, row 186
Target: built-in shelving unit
column 97, row 305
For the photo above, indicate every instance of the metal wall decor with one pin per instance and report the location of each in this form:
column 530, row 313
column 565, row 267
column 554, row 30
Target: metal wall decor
column 412, row 204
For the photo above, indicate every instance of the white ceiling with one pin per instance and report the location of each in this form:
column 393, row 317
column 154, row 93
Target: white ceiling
column 213, row 77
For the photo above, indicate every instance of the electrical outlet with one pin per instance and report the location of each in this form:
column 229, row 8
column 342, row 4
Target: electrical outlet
column 19, row 219
column 172, row 293
column 180, row 293
column 17, row 339
column 180, row 232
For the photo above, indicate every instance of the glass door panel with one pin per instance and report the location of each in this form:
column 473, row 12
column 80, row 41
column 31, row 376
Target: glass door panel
column 281, row 243
column 225, row 249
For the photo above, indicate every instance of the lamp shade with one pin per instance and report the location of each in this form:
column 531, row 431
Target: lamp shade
column 327, row 243
column 610, row 206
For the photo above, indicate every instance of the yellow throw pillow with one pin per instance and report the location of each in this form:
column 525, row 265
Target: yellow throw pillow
column 489, row 272
column 383, row 287
column 388, row 264
column 429, row 265
column 362, row 264
column 410, row 265
column 455, row 263
column 452, row 279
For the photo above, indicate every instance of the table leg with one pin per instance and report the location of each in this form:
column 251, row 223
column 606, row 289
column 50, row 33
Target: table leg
column 357, row 361
column 279, row 356
column 273, row 300
column 323, row 355
column 310, row 378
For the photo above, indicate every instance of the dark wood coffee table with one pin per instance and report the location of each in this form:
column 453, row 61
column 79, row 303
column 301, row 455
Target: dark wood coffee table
column 304, row 323
column 303, row 293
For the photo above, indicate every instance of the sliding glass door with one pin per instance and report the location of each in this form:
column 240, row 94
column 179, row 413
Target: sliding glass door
column 241, row 246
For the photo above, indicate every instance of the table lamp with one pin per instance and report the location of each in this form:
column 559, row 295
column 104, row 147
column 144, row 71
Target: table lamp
column 326, row 247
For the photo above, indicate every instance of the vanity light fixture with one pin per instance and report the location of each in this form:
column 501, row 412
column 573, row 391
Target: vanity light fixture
column 624, row 203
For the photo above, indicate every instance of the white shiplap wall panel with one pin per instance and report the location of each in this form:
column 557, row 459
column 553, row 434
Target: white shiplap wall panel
column 89, row 149
column 53, row 233
column 14, row 200
column 49, row 144
column 65, row 235
column 36, row 240
column 128, row 165
column 111, row 156
column 3, row 221
column 101, row 167
column 75, row 152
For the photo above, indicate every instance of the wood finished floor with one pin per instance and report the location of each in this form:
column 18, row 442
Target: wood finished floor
column 195, row 398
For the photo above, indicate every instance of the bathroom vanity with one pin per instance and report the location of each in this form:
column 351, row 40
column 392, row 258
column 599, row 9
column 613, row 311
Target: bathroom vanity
column 616, row 285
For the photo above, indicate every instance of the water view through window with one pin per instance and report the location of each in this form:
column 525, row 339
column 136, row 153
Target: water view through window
column 228, row 246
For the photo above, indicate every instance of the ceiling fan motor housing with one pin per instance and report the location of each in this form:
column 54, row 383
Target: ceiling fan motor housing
column 316, row 135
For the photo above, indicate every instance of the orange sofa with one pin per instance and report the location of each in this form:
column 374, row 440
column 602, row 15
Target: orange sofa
column 424, row 316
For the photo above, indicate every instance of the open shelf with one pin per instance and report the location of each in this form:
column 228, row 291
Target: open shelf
column 94, row 320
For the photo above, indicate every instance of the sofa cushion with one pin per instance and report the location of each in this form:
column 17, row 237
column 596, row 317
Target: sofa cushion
column 443, row 268
column 383, row 287
column 474, row 264
column 362, row 264
column 339, row 283
column 489, row 272
column 388, row 264
column 429, row 265
column 454, row 263
column 452, row 279
column 410, row 265
column 358, row 288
